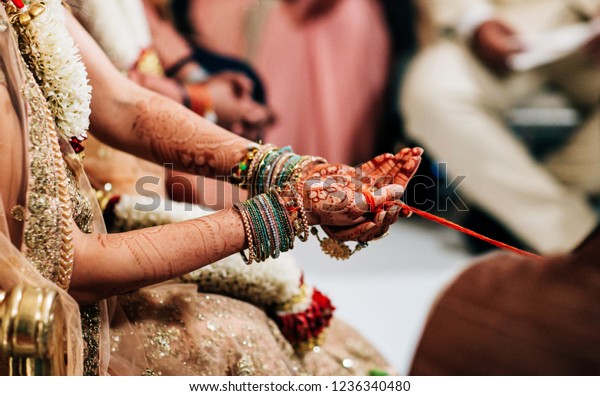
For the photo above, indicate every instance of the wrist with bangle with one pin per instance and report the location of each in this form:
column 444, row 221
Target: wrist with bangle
column 275, row 214
column 268, row 226
column 267, row 170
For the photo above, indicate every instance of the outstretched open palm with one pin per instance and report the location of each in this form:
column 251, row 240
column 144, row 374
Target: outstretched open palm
column 359, row 203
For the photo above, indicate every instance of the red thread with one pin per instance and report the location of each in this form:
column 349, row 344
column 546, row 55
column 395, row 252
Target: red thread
column 370, row 201
column 466, row 231
column 18, row 3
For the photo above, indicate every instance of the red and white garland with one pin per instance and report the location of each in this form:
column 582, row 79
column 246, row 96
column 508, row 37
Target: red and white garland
column 303, row 322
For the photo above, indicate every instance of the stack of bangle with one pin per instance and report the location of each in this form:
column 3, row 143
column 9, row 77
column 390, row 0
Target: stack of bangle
column 269, row 229
column 276, row 215
column 295, row 208
column 269, row 166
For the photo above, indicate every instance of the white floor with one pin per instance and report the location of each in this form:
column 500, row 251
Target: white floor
column 386, row 290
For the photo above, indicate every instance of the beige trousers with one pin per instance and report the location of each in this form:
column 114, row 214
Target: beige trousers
column 456, row 109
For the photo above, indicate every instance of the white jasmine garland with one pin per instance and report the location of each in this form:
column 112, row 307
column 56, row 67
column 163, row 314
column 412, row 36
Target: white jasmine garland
column 267, row 284
column 52, row 56
column 133, row 212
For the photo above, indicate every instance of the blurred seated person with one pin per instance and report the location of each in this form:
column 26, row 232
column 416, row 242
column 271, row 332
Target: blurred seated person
column 330, row 90
column 459, row 89
column 510, row 315
column 187, row 54
column 325, row 64
column 225, row 97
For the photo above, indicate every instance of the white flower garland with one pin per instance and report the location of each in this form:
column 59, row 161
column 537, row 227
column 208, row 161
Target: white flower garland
column 267, row 284
column 130, row 214
column 51, row 54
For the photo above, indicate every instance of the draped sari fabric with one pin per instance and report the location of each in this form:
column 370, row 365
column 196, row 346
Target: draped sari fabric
column 15, row 269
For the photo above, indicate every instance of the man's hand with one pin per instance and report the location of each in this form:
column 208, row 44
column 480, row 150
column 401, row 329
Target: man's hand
column 232, row 98
column 493, row 43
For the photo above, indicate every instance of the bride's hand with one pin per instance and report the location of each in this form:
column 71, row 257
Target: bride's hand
column 393, row 169
column 380, row 171
column 342, row 200
column 384, row 170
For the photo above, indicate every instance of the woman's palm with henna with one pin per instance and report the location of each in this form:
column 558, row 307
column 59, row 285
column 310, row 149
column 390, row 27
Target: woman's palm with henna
column 359, row 203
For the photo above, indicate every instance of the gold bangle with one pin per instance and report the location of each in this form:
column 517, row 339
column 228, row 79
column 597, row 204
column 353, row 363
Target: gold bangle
column 301, row 227
column 254, row 165
column 241, row 170
column 300, row 166
column 250, row 259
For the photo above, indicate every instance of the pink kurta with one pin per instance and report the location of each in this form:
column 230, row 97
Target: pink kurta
column 221, row 25
column 326, row 79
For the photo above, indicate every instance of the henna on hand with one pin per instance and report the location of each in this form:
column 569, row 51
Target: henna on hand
column 342, row 200
column 380, row 171
column 333, row 191
column 177, row 136
column 113, row 264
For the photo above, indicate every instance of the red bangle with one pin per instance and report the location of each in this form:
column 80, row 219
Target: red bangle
column 18, row 3
column 370, row 201
column 200, row 99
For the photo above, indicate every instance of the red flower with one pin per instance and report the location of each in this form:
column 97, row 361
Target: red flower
column 304, row 328
column 77, row 145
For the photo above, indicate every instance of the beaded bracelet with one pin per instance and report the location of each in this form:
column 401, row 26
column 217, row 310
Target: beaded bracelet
column 287, row 170
column 264, row 175
column 269, row 220
column 283, row 220
column 257, row 160
column 260, row 182
column 240, row 171
column 278, row 168
column 260, row 231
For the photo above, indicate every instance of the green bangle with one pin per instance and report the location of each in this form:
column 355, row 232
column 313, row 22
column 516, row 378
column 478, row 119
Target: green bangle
column 283, row 220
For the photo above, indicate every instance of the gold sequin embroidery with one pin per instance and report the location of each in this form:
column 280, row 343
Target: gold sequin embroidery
column 48, row 218
column 18, row 213
column 53, row 203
